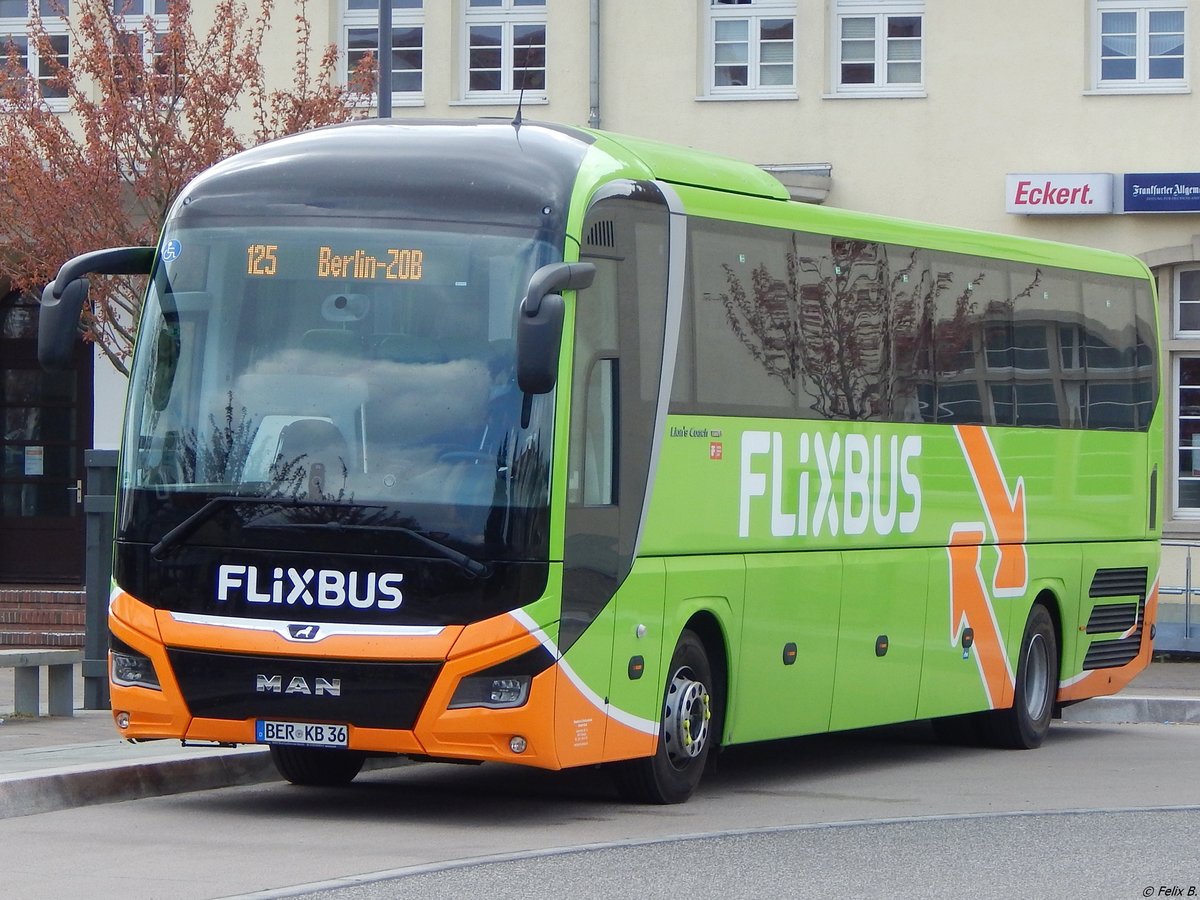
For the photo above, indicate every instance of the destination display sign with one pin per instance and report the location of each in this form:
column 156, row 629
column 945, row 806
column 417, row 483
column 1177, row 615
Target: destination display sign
column 342, row 263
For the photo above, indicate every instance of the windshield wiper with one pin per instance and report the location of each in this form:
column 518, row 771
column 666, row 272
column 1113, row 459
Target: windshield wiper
column 471, row 566
column 188, row 526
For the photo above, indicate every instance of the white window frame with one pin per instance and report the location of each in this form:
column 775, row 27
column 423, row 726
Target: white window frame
column 1177, row 329
column 1180, row 512
column 1141, row 83
column 507, row 15
column 369, row 18
column 881, row 11
column 754, row 13
column 21, row 26
column 131, row 16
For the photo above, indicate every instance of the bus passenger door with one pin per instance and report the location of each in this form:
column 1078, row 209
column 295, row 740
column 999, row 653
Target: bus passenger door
column 611, row 628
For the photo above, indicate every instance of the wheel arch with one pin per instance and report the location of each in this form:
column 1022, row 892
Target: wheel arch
column 1050, row 600
column 707, row 626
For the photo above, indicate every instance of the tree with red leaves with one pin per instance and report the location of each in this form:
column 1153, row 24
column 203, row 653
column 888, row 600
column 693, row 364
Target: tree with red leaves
column 146, row 110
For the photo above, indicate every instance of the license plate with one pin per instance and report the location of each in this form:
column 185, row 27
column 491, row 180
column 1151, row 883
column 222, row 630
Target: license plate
column 301, row 734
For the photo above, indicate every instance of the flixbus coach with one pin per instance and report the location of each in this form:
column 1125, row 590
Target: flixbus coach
column 481, row 441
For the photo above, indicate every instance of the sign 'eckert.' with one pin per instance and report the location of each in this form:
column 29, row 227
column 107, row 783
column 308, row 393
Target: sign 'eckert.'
column 1072, row 194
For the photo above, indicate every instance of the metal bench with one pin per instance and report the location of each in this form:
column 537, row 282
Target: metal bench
column 27, row 677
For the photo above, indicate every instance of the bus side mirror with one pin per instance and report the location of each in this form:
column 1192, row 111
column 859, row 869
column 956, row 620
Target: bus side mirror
column 540, row 323
column 58, row 325
column 63, row 299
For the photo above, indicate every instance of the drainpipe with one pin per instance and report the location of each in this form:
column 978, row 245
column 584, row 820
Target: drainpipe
column 594, row 64
column 384, row 59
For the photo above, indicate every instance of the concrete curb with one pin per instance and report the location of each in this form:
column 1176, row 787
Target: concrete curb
column 24, row 795
column 1133, row 709
column 31, row 793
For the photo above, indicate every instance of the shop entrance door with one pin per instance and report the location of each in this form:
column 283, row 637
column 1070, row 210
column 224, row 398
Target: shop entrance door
column 46, row 425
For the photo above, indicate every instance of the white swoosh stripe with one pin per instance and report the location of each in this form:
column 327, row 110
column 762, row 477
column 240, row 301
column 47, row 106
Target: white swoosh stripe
column 635, row 722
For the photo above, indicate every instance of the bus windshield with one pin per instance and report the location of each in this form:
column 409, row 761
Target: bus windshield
column 363, row 377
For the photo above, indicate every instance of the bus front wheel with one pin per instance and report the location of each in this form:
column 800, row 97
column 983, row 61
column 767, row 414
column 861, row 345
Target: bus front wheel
column 686, row 736
column 317, row 767
column 1024, row 725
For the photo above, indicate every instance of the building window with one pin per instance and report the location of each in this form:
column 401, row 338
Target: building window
column 16, row 41
column 1187, row 303
column 879, row 47
column 127, row 8
column 360, row 32
column 752, row 48
column 145, row 48
column 505, row 50
column 1187, row 395
column 1140, row 45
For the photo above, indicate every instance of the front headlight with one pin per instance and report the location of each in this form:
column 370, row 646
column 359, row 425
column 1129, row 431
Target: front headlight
column 503, row 686
column 491, row 691
column 130, row 668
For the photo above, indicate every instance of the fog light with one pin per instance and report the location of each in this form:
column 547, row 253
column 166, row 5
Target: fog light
column 122, row 720
column 517, row 744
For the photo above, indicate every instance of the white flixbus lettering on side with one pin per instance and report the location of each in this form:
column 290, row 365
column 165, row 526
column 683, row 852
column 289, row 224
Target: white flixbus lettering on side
column 847, row 484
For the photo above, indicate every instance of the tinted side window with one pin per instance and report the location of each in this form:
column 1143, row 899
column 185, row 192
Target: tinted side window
column 782, row 323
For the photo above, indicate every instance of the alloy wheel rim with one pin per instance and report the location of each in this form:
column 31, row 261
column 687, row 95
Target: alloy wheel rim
column 686, row 717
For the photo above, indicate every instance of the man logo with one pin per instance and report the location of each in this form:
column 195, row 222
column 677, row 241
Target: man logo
column 298, row 684
column 304, row 632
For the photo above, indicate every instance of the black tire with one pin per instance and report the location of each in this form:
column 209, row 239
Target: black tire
column 1024, row 725
column 686, row 735
column 311, row 766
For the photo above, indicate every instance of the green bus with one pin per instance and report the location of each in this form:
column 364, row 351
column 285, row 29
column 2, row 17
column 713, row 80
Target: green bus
column 517, row 442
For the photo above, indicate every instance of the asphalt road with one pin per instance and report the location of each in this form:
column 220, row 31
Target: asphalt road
column 886, row 813
column 1061, row 855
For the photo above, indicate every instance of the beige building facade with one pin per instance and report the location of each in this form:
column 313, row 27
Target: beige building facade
column 1072, row 121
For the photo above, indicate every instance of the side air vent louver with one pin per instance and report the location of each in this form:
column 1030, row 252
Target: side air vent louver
column 1113, row 654
column 1111, row 617
column 1119, row 583
column 1123, row 618
column 602, row 236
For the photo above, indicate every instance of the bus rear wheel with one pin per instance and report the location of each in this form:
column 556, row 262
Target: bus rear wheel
column 1025, row 724
column 315, row 767
column 686, row 735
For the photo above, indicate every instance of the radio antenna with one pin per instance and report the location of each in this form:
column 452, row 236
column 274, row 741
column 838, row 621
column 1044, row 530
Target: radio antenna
column 516, row 122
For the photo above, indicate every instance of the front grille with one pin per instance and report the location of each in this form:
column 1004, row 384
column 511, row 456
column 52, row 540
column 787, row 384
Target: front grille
column 1107, row 618
column 367, row 694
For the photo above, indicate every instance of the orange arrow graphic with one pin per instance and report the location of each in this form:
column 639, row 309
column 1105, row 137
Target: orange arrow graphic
column 970, row 606
column 970, row 602
column 1005, row 512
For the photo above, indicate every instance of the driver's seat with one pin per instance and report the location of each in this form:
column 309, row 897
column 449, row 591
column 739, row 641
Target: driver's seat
column 308, row 449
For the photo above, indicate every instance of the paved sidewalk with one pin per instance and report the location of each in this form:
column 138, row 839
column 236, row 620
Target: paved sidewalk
column 1167, row 691
column 51, row 763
